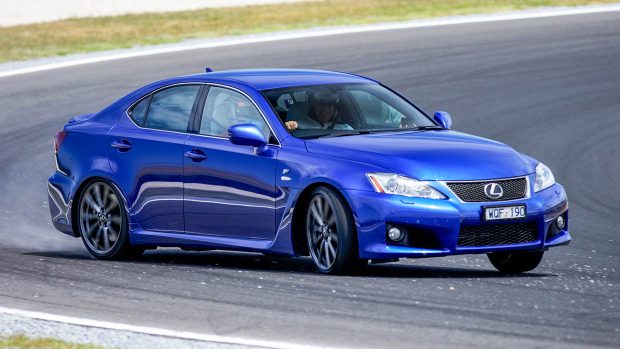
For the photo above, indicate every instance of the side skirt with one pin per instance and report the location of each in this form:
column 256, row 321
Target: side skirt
column 196, row 241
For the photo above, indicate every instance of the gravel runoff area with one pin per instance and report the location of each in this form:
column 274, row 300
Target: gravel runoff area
column 34, row 328
column 15, row 12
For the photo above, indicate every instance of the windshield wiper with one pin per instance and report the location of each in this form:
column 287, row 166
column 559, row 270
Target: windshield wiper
column 427, row 127
column 346, row 133
column 390, row 130
column 365, row 132
column 417, row 128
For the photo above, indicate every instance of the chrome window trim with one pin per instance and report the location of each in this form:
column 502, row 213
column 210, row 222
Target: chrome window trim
column 527, row 189
column 198, row 134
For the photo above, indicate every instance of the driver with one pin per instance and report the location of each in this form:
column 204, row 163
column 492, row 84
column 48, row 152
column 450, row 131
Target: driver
column 322, row 114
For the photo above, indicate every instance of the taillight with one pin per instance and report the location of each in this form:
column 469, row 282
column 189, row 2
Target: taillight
column 60, row 136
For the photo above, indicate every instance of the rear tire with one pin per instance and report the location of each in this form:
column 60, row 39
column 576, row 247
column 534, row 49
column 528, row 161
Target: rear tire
column 330, row 233
column 516, row 261
column 102, row 223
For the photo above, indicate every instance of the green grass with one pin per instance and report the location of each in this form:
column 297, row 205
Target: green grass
column 105, row 33
column 23, row 342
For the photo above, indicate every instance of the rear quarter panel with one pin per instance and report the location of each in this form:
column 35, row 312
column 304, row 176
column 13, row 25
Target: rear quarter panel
column 84, row 151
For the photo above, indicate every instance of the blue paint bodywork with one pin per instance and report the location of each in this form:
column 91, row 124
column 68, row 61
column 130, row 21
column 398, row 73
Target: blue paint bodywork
column 239, row 198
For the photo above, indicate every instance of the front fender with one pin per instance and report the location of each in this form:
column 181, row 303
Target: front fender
column 297, row 171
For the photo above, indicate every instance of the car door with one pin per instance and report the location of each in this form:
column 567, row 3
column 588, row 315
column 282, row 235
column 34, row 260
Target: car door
column 146, row 155
column 229, row 189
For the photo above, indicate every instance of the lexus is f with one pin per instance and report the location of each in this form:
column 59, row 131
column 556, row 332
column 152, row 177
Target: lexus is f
column 329, row 165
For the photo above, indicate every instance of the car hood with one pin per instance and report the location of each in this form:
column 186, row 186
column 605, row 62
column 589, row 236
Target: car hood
column 428, row 155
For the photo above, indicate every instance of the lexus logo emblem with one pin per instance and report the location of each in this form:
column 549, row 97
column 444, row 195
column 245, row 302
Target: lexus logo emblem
column 493, row 191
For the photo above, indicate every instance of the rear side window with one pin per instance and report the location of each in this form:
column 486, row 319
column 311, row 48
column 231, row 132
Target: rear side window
column 171, row 108
column 138, row 113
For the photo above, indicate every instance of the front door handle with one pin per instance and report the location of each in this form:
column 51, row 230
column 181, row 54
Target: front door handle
column 196, row 155
column 121, row 145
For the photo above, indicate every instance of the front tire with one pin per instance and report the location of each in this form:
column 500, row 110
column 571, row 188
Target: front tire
column 516, row 261
column 102, row 223
column 330, row 233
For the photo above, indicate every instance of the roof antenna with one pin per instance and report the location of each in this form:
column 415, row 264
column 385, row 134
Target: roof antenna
column 208, row 70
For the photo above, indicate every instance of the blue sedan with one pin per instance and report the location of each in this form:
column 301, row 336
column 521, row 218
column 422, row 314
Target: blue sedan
column 297, row 162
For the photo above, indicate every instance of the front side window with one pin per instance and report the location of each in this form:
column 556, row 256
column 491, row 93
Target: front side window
column 170, row 109
column 224, row 108
column 344, row 109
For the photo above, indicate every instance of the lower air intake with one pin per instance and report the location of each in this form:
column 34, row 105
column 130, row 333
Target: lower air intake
column 498, row 234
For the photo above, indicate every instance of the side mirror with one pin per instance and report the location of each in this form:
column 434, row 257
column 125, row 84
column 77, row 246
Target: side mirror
column 443, row 118
column 247, row 134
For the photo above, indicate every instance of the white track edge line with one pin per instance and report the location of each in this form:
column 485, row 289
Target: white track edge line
column 154, row 331
column 528, row 14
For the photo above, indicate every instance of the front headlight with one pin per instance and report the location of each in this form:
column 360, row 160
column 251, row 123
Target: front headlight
column 544, row 177
column 390, row 183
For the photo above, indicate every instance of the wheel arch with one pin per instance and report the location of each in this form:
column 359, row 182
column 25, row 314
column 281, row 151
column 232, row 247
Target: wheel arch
column 300, row 246
column 78, row 192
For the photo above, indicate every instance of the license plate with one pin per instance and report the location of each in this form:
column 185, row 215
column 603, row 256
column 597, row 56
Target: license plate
column 504, row 212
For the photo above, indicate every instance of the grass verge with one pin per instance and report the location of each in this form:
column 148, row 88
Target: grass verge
column 96, row 34
column 23, row 342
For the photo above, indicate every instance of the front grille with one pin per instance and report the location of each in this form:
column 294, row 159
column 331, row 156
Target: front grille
column 498, row 234
column 474, row 191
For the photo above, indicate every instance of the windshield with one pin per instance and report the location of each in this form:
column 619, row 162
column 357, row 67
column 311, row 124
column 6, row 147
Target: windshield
column 344, row 109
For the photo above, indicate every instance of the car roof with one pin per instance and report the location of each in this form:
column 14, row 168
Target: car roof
column 264, row 79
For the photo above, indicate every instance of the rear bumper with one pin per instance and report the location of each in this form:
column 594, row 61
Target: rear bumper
column 433, row 226
column 59, row 187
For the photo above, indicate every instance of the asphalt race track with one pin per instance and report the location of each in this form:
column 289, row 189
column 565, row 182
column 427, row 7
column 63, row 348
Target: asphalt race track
column 550, row 87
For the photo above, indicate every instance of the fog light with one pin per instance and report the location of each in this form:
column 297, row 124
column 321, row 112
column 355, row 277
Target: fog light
column 395, row 234
column 560, row 222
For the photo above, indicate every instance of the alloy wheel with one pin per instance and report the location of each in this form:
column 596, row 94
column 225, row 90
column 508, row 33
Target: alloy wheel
column 101, row 219
column 322, row 232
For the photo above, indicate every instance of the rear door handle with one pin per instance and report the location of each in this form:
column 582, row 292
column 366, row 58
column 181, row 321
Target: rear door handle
column 196, row 155
column 122, row 145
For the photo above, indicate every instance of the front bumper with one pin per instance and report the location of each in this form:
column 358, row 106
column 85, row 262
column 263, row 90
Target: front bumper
column 433, row 226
